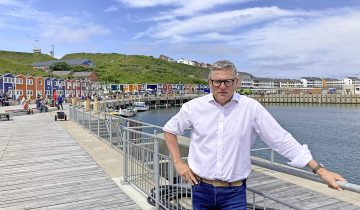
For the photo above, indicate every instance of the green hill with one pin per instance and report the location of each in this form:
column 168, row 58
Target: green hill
column 118, row 68
column 112, row 67
column 19, row 62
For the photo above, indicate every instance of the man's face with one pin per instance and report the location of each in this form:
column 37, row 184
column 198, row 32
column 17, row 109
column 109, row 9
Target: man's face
column 223, row 85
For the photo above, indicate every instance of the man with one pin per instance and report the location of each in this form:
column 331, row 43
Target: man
column 224, row 125
column 60, row 102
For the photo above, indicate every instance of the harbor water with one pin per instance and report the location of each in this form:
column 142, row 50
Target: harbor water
column 332, row 132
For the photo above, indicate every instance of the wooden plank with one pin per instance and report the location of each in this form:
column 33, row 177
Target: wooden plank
column 49, row 170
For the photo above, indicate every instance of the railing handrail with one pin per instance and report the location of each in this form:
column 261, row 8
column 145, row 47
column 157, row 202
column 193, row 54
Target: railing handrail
column 156, row 138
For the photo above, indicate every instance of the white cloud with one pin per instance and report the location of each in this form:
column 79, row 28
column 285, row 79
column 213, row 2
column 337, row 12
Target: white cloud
column 323, row 44
column 10, row 3
column 147, row 3
column 217, row 23
column 74, row 34
column 57, row 27
column 111, row 9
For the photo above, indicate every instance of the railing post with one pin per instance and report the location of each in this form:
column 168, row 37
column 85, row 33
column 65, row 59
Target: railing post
column 272, row 159
column 98, row 126
column 70, row 114
column 83, row 116
column 90, row 120
column 125, row 158
column 77, row 115
column 156, row 173
column 110, row 131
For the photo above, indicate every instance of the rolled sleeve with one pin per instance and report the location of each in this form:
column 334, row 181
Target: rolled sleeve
column 179, row 123
column 303, row 158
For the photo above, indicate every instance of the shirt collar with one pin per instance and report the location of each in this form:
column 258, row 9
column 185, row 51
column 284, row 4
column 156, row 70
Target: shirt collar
column 235, row 97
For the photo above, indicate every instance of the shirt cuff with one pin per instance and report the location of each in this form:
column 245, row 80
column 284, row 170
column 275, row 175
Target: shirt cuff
column 303, row 158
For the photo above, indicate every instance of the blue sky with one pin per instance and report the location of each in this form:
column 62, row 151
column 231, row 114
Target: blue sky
column 267, row 38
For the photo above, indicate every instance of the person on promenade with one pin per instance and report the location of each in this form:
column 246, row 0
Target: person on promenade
column 224, row 125
column 60, row 102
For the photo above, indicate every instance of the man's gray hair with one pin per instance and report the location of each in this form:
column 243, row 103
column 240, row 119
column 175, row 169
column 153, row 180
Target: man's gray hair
column 223, row 65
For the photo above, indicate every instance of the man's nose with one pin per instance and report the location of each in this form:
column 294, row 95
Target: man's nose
column 222, row 85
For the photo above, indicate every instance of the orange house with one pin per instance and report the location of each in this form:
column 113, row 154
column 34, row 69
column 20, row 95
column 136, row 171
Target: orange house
column 20, row 86
column 40, row 86
column 30, row 87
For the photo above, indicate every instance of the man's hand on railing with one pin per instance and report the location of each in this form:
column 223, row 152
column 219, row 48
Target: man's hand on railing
column 184, row 171
column 330, row 178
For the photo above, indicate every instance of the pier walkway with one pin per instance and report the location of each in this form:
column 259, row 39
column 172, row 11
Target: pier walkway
column 43, row 167
column 59, row 165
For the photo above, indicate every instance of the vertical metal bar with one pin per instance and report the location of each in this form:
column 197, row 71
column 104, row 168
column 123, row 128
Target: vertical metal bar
column 83, row 118
column 110, row 131
column 77, row 115
column 98, row 126
column 254, row 202
column 90, row 120
column 125, row 158
column 272, row 159
column 156, row 173
column 264, row 203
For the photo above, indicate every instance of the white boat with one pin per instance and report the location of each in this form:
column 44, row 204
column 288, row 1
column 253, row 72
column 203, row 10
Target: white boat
column 128, row 112
column 141, row 106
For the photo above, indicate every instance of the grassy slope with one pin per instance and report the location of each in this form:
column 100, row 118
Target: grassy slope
column 19, row 62
column 113, row 68
column 119, row 68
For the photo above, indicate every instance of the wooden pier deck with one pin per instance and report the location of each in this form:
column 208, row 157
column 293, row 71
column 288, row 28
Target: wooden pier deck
column 42, row 167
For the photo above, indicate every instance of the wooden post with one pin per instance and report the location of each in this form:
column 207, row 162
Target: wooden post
column 96, row 105
column 87, row 105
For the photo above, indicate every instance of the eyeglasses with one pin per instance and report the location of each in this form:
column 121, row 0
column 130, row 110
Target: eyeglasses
column 227, row 83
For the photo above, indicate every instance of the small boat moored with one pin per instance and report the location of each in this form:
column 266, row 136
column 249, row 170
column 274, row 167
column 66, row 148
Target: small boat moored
column 141, row 106
column 128, row 112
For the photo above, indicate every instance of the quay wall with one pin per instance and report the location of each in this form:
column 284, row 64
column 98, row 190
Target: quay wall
column 167, row 101
column 308, row 98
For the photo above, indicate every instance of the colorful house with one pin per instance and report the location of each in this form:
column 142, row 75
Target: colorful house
column 30, row 87
column 40, row 86
column 48, row 87
column 20, row 86
column 167, row 88
column 9, row 85
column 61, row 86
column 69, row 91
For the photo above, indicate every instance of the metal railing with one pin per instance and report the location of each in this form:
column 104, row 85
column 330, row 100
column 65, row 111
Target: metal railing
column 149, row 168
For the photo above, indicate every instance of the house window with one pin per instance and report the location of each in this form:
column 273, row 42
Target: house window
column 19, row 92
column 56, row 83
column 29, row 92
column 47, row 92
column 19, row 81
column 39, row 82
column 29, row 81
column 48, row 82
column 39, row 92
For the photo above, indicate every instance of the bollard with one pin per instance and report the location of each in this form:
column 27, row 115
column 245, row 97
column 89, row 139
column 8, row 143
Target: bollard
column 96, row 105
column 87, row 105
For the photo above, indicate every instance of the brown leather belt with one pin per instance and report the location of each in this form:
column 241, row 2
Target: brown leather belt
column 220, row 183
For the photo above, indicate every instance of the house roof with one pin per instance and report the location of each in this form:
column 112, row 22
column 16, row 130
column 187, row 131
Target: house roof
column 68, row 61
column 61, row 73
column 82, row 74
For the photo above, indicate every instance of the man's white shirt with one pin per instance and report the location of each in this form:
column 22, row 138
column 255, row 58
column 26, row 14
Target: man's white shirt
column 222, row 136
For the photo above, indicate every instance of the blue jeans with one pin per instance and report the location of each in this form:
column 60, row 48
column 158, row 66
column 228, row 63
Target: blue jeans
column 208, row 197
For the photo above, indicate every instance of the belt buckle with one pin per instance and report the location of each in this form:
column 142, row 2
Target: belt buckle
column 219, row 183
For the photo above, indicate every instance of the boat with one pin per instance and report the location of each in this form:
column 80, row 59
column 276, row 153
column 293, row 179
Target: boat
column 141, row 106
column 128, row 112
